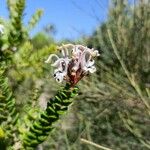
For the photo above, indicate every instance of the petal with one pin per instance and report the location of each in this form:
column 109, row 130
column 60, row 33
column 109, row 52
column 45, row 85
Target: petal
column 85, row 57
column 90, row 63
column 76, row 64
column 61, row 65
column 57, row 62
column 58, row 76
column 92, row 69
column 95, row 53
column 64, row 64
column 63, row 52
column 66, row 52
column 76, row 50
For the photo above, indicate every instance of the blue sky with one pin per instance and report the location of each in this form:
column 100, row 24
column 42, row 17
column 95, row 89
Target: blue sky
column 72, row 18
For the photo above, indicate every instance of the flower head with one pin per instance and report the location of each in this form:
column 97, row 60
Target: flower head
column 76, row 62
column 1, row 29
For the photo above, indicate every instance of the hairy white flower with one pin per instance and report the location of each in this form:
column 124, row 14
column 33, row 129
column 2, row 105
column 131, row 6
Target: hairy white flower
column 1, row 29
column 76, row 62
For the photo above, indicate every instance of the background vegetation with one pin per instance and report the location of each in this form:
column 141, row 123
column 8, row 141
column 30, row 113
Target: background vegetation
column 113, row 107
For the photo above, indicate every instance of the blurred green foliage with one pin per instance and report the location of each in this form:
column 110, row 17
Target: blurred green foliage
column 124, row 76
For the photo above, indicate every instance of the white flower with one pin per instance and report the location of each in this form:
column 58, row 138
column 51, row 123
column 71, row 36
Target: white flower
column 61, row 65
column 85, row 58
column 74, row 65
column 14, row 48
column 1, row 29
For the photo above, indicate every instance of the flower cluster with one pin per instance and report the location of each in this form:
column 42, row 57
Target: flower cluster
column 76, row 62
column 1, row 29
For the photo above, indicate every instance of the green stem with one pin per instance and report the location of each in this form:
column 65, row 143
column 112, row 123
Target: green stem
column 56, row 106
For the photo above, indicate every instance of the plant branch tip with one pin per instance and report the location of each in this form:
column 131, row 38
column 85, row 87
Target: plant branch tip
column 75, row 62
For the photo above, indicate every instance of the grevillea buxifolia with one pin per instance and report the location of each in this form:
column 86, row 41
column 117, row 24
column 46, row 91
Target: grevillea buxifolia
column 71, row 67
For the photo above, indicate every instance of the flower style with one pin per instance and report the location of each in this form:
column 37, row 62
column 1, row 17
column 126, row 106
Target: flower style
column 74, row 64
column 1, row 29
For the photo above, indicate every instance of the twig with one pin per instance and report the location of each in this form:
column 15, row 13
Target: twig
column 94, row 144
column 130, row 77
